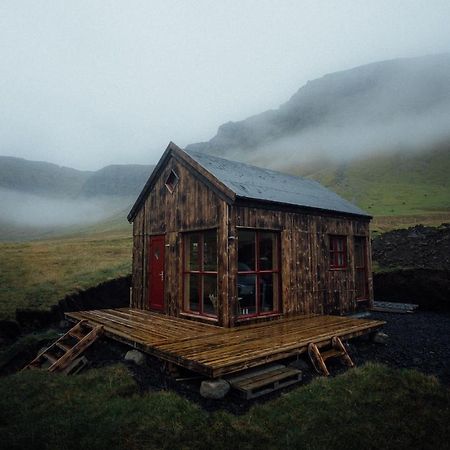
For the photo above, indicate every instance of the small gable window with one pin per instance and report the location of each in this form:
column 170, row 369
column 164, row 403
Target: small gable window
column 172, row 181
column 338, row 252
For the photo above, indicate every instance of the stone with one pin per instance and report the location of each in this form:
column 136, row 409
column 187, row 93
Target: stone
column 381, row 338
column 214, row 389
column 136, row 356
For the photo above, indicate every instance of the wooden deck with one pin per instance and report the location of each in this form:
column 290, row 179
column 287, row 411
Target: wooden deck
column 215, row 351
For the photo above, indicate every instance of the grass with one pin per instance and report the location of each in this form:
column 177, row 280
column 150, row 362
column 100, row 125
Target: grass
column 36, row 274
column 369, row 407
column 391, row 185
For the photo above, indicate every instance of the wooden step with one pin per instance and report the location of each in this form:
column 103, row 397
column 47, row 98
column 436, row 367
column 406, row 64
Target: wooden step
column 59, row 363
column 52, row 359
column 63, row 346
column 318, row 357
column 260, row 382
column 76, row 334
column 330, row 354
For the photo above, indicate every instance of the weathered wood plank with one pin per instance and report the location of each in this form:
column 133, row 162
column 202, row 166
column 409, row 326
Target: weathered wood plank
column 214, row 351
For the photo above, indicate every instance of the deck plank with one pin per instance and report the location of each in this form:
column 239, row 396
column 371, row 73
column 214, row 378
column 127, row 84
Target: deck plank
column 216, row 351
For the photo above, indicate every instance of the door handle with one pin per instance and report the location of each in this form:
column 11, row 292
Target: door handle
column 162, row 275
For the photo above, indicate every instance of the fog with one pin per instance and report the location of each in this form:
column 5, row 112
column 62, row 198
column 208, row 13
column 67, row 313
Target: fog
column 21, row 208
column 90, row 83
column 410, row 133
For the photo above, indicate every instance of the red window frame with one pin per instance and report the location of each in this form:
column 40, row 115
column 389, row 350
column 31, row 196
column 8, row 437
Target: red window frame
column 258, row 272
column 199, row 272
column 335, row 252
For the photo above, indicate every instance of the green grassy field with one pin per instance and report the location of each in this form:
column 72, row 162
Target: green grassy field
column 399, row 184
column 36, row 274
column 371, row 407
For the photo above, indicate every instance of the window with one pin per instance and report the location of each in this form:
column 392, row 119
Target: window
column 200, row 273
column 338, row 252
column 360, row 268
column 171, row 181
column 258, row 282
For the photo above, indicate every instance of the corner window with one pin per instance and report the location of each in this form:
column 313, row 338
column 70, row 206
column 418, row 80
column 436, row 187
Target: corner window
column 258, row 282
column 171, row 181
column 338, row 252
column 200, row 273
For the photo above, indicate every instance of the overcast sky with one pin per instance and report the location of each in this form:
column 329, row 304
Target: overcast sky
column 91, row 83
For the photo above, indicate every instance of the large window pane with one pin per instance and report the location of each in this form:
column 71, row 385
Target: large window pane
column 192, row 291
column 268, row 251
column 246, row 250
column 200, row 272
column 192, row 252
column 246, row 294
column 268, row 292
column 210, row 251
column 210, row 294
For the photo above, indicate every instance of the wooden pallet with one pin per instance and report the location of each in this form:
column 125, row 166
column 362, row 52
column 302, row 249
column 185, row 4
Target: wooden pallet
column 319, row 357
column 260, row 382
column 391, row 307
column 67, row 348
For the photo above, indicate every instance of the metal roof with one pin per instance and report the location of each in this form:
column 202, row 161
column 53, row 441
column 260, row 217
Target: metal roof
column 254, row 183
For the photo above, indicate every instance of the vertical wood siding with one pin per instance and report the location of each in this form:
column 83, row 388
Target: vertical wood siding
column 191, row 206
column 308, row 284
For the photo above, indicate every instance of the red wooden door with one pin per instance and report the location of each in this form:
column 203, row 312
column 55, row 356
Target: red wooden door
column 156, row 272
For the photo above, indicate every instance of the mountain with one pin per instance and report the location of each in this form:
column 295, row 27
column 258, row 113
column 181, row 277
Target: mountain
column 43, row 178
column 40, row 177
column 118, row 180
column 388, row 105
column 39, row 199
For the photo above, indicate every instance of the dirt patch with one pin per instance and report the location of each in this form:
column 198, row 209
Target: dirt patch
column 415, row 266
column 109, row 294
column 416, row 341
column 430, row 289
column 417, row 247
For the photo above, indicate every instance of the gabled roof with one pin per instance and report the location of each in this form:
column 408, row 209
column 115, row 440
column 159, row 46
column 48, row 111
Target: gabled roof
column 243, row 181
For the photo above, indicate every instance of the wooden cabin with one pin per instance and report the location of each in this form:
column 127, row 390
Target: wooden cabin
column 228, row 243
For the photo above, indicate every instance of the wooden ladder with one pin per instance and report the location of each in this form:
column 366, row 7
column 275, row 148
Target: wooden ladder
column 337, row 350
column 62, row 352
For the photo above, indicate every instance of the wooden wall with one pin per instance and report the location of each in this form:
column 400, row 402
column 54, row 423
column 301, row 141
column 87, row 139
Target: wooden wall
column 308, row 286
column 192, row 206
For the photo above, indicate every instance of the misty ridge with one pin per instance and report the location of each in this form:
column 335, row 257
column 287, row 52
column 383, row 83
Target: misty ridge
column 41, row 194
column 386, row 107
column 397, row 105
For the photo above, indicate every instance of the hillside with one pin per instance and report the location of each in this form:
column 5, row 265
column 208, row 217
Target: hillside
column 388, row 105
column 40, row 177
column 401, row 183
column 41, row 200
column 117, row 180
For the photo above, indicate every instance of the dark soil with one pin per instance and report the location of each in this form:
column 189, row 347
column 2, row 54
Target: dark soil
column 414, row 267
column 416, row 341
column 109, row 294
column 428, row 288
column 417, row 247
